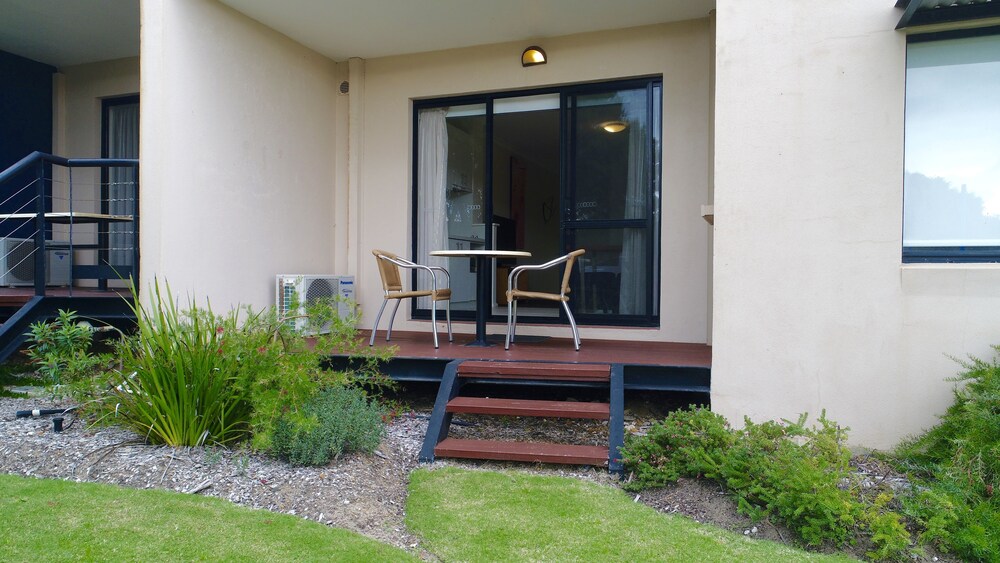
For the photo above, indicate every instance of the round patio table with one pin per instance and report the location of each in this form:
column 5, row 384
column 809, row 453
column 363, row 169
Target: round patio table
column 483, row 299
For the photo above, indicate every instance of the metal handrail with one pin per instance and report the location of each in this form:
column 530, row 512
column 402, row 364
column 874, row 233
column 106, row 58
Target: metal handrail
column 38, row 160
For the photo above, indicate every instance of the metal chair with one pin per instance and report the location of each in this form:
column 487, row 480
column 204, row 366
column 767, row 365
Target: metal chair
column 392, row 284
column 513, row 294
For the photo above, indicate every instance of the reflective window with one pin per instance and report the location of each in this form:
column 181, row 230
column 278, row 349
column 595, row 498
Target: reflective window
column 951, row 209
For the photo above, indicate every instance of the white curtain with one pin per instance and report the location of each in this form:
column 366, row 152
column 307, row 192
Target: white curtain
column 432, row 178
column 123, row 142
column 632, row 299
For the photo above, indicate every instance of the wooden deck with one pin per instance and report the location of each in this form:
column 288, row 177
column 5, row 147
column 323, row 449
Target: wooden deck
column 19, row 296
column 652, row 366
column 677, row 354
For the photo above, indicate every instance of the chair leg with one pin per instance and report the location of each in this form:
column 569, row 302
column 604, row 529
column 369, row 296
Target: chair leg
column 447, row 311
column 572, row 324
column 434, row 325
column 513, row 326
column 395, row 307
column 371, row 341
column 510, row 317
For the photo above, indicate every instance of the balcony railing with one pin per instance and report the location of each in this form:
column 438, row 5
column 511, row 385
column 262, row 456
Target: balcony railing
column 55, row 210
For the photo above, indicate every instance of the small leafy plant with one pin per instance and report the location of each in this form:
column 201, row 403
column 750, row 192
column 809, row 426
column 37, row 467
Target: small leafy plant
column 340, row 419
column 60, row 350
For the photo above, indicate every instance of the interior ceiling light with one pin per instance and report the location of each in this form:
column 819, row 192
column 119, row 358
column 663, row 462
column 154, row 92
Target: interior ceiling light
column 614, row 126
column 533, row 56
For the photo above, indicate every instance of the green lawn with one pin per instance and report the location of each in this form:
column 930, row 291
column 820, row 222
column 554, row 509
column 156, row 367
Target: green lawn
column 487, row 516
column 462, row 516
column 52, row 520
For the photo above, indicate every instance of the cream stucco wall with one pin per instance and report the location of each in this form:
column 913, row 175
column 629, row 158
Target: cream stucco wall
column 813, row 308
column 679, row 52
column 239, row 150
column 78, row 92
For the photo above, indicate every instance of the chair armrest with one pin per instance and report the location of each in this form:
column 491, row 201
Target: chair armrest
column 414, row 266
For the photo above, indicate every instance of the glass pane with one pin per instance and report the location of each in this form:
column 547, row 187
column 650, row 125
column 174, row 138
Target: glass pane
column 451, row 186
column 123, row 142
column 612, row 277
column 526, row 191
column 952, row 179
column 610, row 157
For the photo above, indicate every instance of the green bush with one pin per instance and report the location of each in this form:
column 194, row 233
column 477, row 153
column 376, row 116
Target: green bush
column 60, row 350
column 956, row 467
column 340, row 419
column 192, row 377
column 688, row 442
column 781, row 470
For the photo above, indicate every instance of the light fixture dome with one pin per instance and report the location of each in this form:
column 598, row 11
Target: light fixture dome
column 532, row 56
column 614, row 126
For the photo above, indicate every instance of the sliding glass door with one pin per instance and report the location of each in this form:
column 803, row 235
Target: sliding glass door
column 547, row 172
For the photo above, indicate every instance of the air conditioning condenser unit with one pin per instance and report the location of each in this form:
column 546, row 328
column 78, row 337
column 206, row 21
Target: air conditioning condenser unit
column 17, row 263
column 294, row 293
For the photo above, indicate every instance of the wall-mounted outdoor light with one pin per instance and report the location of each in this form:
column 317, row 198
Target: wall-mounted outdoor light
column 533, row 56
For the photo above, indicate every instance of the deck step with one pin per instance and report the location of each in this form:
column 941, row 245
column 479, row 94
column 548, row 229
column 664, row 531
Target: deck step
column 535, row 370
column 541, row 452
column 529, row 407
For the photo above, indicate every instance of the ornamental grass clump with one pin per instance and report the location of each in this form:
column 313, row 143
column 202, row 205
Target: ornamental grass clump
column 179, row 387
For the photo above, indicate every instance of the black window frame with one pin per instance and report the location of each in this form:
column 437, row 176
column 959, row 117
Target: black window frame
column 655, row 215
column 949, row 254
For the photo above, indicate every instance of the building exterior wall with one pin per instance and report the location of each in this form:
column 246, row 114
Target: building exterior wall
column 78, row 93
column 679, row 52
column 813, row 308
column 239, row 154
column 25, row 127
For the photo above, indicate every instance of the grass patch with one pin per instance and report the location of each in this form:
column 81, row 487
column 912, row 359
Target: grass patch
column 12, row 373
column 488, row 516
column 94, row 522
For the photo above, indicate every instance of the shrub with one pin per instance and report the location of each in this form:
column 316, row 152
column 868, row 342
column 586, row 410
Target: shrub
column 194, row 377
column 956, row 466
column 688, row 442
column 60, row 350
column 340, row 419
column 782, row 470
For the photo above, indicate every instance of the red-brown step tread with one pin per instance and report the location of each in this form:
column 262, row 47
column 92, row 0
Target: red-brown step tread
column 522, row 451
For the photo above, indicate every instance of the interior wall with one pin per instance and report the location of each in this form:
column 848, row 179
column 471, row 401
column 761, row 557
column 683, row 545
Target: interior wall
column 239, row 154
column 813, row 308
column 679, row 52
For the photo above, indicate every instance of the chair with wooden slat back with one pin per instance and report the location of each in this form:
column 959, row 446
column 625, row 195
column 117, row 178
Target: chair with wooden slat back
column 389, row 266
column 514, row 293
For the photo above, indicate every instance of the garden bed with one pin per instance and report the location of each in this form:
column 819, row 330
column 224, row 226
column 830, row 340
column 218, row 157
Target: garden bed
column 358, row 492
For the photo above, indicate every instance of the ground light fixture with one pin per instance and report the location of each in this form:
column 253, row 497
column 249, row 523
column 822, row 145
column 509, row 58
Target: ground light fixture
column 532, row 56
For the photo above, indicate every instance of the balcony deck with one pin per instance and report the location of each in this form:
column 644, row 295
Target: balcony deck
column 655, row 366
